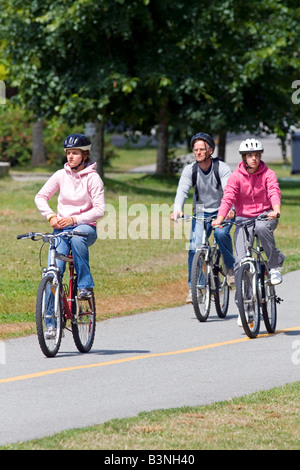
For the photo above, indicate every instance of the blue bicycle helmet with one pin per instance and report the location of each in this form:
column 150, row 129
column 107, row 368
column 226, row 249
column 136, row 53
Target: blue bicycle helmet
column 77, row 141
column 202, row 136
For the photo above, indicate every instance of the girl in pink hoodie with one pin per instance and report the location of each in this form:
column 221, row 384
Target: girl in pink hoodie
column 80, row 204
column 253, row 190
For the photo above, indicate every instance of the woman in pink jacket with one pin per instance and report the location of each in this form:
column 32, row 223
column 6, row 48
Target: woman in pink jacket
column 253, row 190
column 80, row 204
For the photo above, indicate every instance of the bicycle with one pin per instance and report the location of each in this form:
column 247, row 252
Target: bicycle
column 208, row 276
column 253, row 288
column 58, row 304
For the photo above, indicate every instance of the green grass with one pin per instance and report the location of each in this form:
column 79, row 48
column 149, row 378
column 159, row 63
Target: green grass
column 133, row 271
column 268, row 420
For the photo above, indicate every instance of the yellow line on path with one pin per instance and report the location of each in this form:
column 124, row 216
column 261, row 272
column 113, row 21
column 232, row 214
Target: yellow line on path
column 136, row 358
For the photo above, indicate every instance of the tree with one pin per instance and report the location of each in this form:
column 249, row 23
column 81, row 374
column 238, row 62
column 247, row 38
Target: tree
column 179, row 66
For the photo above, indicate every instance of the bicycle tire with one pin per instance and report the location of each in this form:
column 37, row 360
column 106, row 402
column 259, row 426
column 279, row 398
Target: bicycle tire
column 84, row 321
column 222, row 289
column 48, row 305
column 269, row 304
column 248, row 301
column 201, row 296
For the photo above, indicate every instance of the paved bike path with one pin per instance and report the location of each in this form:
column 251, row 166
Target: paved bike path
column 160, row 359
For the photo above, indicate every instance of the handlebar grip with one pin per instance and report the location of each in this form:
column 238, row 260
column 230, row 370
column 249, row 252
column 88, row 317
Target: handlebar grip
column 80, row 234
column 24, row 235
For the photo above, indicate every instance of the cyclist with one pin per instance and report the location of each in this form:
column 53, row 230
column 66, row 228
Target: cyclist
column 80, row 204
column 254, row 190
column 209, row 180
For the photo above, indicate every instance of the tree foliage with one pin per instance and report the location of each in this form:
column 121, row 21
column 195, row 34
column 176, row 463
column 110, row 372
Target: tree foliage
column 181, row 66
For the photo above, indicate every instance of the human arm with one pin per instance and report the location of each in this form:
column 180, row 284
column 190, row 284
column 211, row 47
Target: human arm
column 44, row 195
column 184, row 186
column 274, row 194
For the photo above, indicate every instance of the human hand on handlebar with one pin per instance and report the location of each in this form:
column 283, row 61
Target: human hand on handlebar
column 273, row 215
column 217, row 222
column 175, row 215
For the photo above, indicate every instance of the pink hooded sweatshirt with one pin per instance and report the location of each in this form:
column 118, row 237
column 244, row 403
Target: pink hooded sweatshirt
column 81, row 195
column 251, row 194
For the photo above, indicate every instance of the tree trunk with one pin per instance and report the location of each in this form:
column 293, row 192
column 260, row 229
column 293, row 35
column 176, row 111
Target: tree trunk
column 162, row 142
column 38, row 150
column 222, row 145
column 98, row 147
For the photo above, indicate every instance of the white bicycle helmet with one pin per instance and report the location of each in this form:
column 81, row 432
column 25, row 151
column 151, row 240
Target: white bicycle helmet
column 250, row 145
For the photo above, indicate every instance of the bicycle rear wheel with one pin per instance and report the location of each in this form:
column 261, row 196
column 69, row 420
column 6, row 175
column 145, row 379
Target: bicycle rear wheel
column 269, row 305
column 200, row 286
column 248, row 300
column 49, row 313
column 84, row 321
column 222, row 289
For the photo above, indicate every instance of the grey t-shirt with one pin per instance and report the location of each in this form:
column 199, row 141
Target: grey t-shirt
column 209, row 196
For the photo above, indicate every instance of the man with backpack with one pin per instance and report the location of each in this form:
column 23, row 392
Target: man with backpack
column 208, row 177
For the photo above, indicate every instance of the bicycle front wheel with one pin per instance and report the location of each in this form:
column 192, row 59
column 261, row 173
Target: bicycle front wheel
column 49, row 314
column 84, row 321
column 248, row 300
column 222, row 290
column 200, row 286
column 269, row 305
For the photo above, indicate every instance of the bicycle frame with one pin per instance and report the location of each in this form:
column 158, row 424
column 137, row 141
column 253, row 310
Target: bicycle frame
column 207, row 248
column 67, row 302
column 255, row 263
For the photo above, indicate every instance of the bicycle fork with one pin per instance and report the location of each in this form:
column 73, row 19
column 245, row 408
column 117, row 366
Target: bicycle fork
column 253, row 272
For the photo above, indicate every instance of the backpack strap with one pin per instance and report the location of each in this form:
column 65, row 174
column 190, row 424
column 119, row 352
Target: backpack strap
column 194, row 180
column 215, row 164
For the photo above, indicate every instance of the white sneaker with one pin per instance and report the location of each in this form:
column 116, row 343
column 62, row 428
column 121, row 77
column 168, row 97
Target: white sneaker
column 50, row 333
column 189, row 299
column 275, row 276
column 239, row 321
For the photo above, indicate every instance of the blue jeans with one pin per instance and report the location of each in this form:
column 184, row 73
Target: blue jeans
column 80, row 251
column 223, row 239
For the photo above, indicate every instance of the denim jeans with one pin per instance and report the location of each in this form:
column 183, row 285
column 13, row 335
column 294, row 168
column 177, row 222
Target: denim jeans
column 80, row 251
column 223, row 239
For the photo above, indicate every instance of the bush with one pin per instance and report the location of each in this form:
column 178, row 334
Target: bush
column 15, row 135
column 16, row 138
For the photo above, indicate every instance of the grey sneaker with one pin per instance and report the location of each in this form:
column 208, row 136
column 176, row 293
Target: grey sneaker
column 85, row 293
column 230, row 277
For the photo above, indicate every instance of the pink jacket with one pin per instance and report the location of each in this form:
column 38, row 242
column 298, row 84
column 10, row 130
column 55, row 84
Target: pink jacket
column 251, row 194
column 80, row 195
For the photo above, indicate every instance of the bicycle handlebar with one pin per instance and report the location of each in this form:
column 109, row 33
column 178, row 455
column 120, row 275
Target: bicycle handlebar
column 252, row 220
column 69, row 234
column 189, row 217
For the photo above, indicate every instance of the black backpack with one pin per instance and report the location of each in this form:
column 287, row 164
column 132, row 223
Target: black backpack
column 215, row 164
